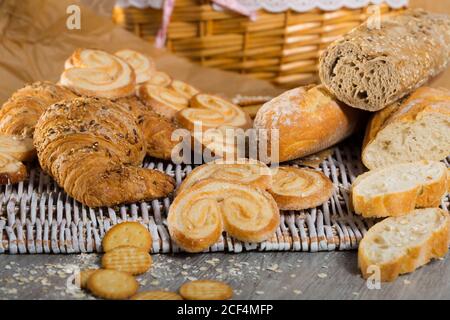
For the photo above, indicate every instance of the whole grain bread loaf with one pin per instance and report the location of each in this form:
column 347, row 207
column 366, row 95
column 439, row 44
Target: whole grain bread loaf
column 370, row 68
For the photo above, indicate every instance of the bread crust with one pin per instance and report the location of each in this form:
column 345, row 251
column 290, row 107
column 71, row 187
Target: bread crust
column 436, row 246
column 370, row 68
column 399, row 203
column 309, row 119
column 422, row 102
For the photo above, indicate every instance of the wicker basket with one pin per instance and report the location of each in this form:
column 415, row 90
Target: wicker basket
column 282, row 47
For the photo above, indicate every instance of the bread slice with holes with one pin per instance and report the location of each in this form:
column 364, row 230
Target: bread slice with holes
column 417, row 128
column 399, row 245
column 397, row 189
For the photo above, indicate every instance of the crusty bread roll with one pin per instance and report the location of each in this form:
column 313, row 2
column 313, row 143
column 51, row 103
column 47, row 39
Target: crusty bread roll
column 416, row 129
column 397, row 189
column 93, row 149
column 370, row 68
column 299, row 188
column 309, row 119
column 157, row 129
column 143, row 65
column 399, row 245
column 96, row 73
column 19, row 115
column 198, row 213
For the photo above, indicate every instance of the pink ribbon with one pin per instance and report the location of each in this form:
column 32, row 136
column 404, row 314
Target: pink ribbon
column 232, row 5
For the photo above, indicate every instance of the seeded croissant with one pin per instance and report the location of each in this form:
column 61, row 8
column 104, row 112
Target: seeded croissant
column 93, row 149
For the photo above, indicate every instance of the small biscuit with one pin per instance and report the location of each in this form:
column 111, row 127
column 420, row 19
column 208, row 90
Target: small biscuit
column 112, row 284
column 84, row 277
column 127, row 234
column 131, row 260
column 206, row 290
column 156, row 295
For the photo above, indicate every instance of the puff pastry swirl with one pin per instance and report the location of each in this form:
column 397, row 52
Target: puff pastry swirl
column 197, row 215
column 298, row 188
column 96, row 73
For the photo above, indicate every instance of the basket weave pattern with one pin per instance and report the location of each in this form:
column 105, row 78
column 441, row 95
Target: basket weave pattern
column 282, row 47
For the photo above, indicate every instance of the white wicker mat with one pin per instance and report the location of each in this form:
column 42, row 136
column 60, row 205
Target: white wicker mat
column 36, row 216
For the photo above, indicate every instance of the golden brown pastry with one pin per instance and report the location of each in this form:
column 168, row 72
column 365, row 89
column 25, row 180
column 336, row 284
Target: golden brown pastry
column 93, row 148
column 247, row 171
column 143, row 65
column 212, row 112
column 197, row 214
column 160, row 79
column 19, row 115
column 183, row 88
column 157, row 129
column 21, row 149
column 11, row 170
column 164, row 101
column 298, row 189
column 96, row 73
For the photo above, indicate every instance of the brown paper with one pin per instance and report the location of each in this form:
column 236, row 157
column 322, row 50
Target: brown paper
column 35, row 42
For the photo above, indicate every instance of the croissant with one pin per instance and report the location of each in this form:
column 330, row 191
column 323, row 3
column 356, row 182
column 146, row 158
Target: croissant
column 19, row 115
column 93, row 148
column 157, row 129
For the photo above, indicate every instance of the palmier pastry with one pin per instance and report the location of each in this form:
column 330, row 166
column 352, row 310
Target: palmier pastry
column 183, row 88
column 160, row 79
column 157, row 129
column 298, row 189
column 246, row 171
column 162, row 100
column 97, row 73
column 143, row 66
column 197, row 214
column 212, row 112
column 94, row 148
column 21, row 149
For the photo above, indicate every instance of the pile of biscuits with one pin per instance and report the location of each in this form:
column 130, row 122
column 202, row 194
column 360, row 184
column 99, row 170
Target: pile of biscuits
column 127, row 246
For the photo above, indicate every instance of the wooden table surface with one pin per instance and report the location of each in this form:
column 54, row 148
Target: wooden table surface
column 255, row 275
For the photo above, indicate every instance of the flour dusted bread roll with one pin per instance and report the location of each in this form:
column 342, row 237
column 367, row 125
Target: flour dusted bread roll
column 157, row 129
column 417, row 128
column 93, row 148
column 309, row 119
column 96, row 73
column 399, row 245
column 19, row 115
column 397, row 189
column 247, row 171
column 143, row 65
column 299, row 188
column 370, row 68
column 197, row 214
column 164, row 101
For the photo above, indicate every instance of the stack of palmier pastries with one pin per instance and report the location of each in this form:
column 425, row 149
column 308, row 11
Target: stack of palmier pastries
column 244, row 198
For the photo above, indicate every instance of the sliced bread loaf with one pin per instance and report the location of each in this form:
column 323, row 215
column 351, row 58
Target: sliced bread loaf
column 398, row 189
column 416, row 129
column 400, row 245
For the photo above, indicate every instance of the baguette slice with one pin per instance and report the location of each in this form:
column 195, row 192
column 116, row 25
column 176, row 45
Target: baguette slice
column 397, row 189
column 399, row 245
column 417, row 128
